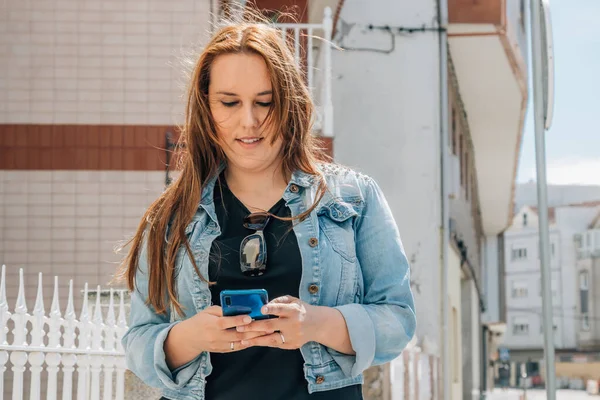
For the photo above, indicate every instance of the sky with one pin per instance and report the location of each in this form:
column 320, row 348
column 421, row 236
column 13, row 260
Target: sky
column 573, row 141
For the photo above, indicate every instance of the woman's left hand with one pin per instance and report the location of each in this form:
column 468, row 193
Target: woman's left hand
column 295, row 326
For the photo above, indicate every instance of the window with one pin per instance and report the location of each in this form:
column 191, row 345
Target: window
column 584, row 286
column 519, row 290
column 520, row 326
column 585, row 323
column 584, row 280
column 519, row 254
column 584, row 298
column 524, row 219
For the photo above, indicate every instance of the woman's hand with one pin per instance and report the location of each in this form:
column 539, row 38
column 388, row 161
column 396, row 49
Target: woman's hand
column 210, row 331
column 296, row 325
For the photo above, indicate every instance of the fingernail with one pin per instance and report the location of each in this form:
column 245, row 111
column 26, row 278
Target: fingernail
column 247, row 320
column 265, row 310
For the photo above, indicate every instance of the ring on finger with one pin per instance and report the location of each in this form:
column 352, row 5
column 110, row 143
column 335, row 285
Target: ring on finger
column 282, row 338
column 231, row 346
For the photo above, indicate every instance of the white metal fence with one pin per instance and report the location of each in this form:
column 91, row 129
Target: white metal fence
column 91, row 347
column 316, row 63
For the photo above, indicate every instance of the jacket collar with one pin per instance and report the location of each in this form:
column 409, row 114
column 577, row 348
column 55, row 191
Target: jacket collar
column 299, row 178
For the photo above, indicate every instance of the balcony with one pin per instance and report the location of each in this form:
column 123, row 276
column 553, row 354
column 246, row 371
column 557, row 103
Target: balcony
column 488, row 48
column 587, row 244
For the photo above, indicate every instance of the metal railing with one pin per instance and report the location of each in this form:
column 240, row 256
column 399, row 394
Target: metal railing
column 315, row 57
column 91, row 346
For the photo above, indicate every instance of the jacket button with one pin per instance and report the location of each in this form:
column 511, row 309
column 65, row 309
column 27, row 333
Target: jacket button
column 320, row 379
column 313, row 289
column 313, row 242
column 294, row 188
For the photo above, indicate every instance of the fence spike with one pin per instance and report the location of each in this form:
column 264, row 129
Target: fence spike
column 54, row 323
column 55, row 307
column 70, row 322
column 21, row 306
column 110, row 316
column 20, row 317
column 122, row 323
column 84, row 316
column 70, row 311
column 97, row 311
column 4, row 313
column 38, row 317
column 3, row 302
column 39, row 301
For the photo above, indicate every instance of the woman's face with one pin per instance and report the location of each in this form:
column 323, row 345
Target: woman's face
column 240, row 96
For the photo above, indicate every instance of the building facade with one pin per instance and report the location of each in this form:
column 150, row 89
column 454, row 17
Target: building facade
column 587, row 323
column 570, row 274
column 394, row 95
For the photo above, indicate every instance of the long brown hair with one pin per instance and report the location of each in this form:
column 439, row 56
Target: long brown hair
column 201, row 155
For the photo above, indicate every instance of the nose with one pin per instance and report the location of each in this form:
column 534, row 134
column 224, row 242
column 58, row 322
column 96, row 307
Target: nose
column 249, row 117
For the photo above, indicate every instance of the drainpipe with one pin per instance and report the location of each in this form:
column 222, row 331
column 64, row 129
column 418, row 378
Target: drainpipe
column 444, row 174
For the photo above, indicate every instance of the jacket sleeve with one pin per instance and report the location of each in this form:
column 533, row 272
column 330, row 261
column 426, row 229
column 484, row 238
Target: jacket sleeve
column 380, row 327
column 144, row 340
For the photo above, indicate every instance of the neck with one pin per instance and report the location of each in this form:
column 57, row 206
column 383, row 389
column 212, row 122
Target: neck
column 256, row 183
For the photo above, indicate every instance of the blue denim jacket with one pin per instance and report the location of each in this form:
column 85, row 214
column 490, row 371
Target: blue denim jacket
column 357, row 262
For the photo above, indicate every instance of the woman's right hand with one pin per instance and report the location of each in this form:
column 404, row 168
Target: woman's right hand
column 215, row 333
column 209, row 331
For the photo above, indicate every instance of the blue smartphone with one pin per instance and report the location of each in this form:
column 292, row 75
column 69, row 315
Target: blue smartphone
column 244, row 302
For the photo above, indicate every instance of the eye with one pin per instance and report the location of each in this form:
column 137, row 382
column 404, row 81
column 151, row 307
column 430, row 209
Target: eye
column 264, row 104
column 229, row 104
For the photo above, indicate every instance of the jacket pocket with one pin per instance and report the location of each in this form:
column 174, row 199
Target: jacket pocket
column 336, row 220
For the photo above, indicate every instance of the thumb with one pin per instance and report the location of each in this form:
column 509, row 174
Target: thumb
column 214, row 310
column 284, row 300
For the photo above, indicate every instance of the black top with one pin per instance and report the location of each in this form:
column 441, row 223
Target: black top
column 259, row 372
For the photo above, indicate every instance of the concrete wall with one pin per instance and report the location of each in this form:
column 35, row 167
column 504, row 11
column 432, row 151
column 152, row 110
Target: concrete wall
column 86, row 62
column 68, row 223
column 386, row 112
column 471, row 338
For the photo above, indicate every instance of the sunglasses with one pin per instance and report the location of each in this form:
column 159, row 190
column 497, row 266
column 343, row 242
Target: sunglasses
column 253, row 249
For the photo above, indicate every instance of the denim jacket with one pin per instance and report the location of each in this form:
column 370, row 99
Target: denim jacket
column 352, row 260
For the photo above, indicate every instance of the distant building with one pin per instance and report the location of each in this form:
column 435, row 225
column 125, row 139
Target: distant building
column 523, row 289
column 558, row 195
column 587, row 323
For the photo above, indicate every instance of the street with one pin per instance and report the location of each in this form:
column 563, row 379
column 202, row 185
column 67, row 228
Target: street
column 536, row 394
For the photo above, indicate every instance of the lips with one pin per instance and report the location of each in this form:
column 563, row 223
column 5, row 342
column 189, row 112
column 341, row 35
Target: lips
column 250, row 140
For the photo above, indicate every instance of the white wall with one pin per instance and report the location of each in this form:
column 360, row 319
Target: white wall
column 387, row 125
column 67, row 223
column 110, row 62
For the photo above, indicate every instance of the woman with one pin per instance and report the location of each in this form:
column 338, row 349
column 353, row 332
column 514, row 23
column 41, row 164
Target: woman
column 335, row 269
